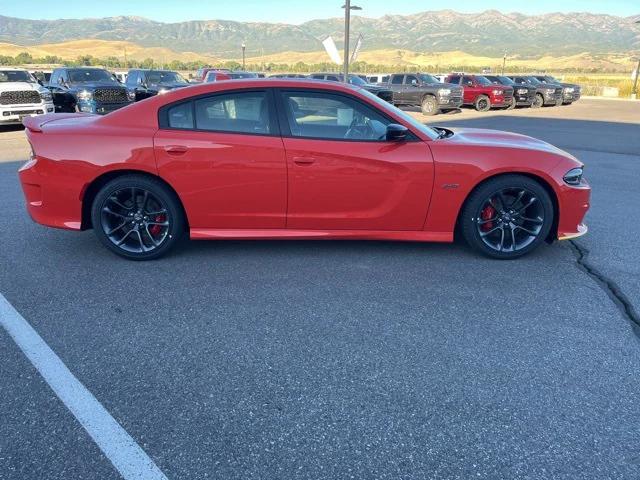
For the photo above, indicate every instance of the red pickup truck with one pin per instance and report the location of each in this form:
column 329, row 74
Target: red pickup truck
column 220, row 74
column 481, row 93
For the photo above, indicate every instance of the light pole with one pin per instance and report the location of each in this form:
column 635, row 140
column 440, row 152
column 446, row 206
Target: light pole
column 634, row 90
column 243, row 50
column 504, row 62
column 347, row 24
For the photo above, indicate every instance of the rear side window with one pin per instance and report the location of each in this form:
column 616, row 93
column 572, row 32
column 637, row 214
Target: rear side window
column 242, row 112
column 180, row 116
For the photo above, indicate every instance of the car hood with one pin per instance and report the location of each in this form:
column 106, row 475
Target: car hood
column 94, row 85
column 497, row 138
column 167, row 86
column 14, row 86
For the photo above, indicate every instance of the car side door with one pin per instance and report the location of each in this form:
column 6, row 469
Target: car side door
column 410, row 90
column 224, row 154
column 396, row 83
column 468, row 85
column 343, row 172
column 63, row 100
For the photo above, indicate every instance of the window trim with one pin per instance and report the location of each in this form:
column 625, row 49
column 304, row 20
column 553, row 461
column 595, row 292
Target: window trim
column 285, row 128
column 163, row 112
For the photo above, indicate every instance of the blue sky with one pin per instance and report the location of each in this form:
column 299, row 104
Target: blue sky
column 287, row 11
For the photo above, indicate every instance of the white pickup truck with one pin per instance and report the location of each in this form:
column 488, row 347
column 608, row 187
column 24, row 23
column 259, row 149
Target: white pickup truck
column 21, row 96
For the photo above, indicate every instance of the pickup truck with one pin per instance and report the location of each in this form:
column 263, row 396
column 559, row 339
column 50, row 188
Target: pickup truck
column 425, row 91
column 143, row 84
column 481, row 93
column 21, row 96
column 87, row 89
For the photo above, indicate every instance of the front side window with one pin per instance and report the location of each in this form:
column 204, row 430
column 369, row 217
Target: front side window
column 241, row 112
column 332, row 117
column 397, row 79
column 467, row 81
column 411, row 80
column 132, row 78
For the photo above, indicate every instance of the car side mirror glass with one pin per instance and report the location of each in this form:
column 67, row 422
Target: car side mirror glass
column 396, row 132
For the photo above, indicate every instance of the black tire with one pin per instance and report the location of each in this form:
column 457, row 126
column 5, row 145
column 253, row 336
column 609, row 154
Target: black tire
column 538, row 102
column 512, row 105
column 143, row 211
column 429, row 105
column 482, row 103
column 518, row 224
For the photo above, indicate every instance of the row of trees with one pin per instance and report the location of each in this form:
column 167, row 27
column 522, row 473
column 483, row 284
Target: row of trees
column 25, row 58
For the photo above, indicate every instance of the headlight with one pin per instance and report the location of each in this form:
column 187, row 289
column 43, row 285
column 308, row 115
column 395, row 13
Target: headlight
column 85, row 95
column 523, row 91
column 568, row 90
column 131, row 95
column 444, row 92
column 498, row 92
column 573, row 176
column 46, row 96
column 550, row 90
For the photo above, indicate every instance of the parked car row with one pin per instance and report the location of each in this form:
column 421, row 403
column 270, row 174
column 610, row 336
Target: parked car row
column 96, row 90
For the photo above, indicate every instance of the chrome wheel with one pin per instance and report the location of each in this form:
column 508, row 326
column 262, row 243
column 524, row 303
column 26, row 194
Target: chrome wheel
column 135, row 220
column 510, row 219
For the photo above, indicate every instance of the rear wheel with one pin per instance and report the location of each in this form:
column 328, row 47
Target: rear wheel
column 137, row 217
column 507, row 217
column 482, row 103
column 429, row 105
column 538, row 102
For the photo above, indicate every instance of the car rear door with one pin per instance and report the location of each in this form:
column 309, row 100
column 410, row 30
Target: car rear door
column 343, row 174
column 224, row 155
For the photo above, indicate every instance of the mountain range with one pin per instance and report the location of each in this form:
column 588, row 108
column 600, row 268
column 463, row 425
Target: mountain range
column 488, row 33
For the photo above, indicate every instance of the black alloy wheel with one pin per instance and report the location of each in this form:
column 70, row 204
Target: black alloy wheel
column 508, row 217
column 483, row 104
column 137, row 217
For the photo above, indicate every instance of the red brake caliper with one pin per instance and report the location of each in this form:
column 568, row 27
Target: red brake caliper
column 155, row 229
column 487, row 213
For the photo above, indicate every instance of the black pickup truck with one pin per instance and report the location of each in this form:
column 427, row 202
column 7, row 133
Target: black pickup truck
column 143, row 84
column 84, row 89
column 425, row 91
column 571, row 92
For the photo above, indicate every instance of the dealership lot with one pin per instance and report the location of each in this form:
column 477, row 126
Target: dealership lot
column 341, row 359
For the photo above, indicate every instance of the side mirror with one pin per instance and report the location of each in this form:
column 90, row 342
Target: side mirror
column 396, row 133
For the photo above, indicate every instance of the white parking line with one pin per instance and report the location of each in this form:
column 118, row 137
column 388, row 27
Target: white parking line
column 118, row 446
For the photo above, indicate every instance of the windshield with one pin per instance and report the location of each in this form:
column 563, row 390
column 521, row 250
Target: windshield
column 386, row 106
column 16, row 76
column 533, row 80
column 162, row 77
column 84, row 75
column 356, row 80
column 483, row 80
column 428, row 78
column 243, row 75
column 505, row 80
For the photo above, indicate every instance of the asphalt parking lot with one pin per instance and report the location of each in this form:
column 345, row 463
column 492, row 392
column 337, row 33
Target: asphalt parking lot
column 337, row 360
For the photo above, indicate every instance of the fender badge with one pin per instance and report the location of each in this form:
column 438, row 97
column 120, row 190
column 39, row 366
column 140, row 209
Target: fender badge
column 450, row 186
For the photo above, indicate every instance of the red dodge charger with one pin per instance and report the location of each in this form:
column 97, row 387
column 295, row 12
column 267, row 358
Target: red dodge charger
column 294, row 159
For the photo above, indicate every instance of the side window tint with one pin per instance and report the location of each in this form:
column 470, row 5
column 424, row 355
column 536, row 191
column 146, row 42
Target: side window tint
column 397, row 79
column 181, row 116
column 410, row 80
column 131, row 78
column 333, row 78
column 332, row 117
column 244, row 112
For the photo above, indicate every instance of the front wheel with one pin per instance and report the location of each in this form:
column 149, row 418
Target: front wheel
column 137, row 217
column 482, row 103
column 538, row 102
column 429, row 105
column 507, row 217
